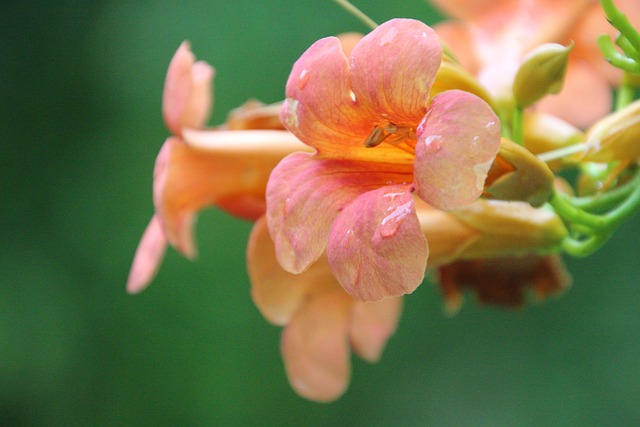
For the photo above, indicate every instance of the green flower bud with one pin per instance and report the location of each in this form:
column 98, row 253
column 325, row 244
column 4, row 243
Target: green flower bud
column 541, row 73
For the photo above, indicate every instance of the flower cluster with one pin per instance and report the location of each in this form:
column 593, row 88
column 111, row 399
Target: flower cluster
column 407, row 150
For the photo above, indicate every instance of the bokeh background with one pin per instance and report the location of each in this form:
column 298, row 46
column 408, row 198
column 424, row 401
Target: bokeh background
column 80, row 126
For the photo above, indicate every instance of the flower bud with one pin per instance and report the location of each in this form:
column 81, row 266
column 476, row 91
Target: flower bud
column 616, row 137
column 452, row 75
column 509, row 229
column 541, row 73
column 517, row 174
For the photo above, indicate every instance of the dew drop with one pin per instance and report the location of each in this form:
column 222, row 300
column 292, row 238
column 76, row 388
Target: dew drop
column 433, row 143
column 390, row 224
column 303, row 79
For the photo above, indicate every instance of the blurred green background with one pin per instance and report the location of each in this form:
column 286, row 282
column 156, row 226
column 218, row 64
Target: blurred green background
column 80, row 93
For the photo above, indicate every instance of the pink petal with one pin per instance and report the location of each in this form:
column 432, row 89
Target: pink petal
column 376, row 247
column 372, row 323
column 315, row 347
column 460, row 139
column 393, row 69
column 276, row 293
column 304, row 194
column 147, row 258
column 187, row 97
column 319, row 107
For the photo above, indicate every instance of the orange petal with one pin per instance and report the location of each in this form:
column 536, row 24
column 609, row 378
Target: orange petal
column 393, row 69
column 228, row 169
column 376, row 247
column 187, row 97
column 315, row 347
column 276, row 293
column 148, row 257
column 319, row 107
column 372, row 323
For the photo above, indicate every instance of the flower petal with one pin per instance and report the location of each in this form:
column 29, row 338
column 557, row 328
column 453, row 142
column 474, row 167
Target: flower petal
column 576, row 105
column 460, row 138
column 376, row 247
column 319, row 106
column 276, row 293
column 228, row 169
column 304, row 194
column 393, row 69
column 187, row 97
column 372, row 323
column 315, row 347
column 148, row 257
column 470, row 11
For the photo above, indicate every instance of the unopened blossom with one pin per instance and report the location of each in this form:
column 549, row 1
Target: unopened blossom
column 227, row 167
column 491, row 38
column 378, row 139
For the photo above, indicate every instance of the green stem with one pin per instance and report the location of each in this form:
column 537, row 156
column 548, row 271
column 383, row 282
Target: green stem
column 621, row 23
column 346, row 5
column 583, row 248
column 625, row 93
column 599, row 224
column 518, row 126
column 603, row 201
column 571, row 214
column 617, row 59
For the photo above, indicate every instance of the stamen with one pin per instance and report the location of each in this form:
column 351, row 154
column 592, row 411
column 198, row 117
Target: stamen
column 376, row 137
column 400, row 137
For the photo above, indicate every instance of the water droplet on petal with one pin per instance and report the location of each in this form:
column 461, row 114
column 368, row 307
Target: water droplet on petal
column 390, row 224
column 303, row 79
column 433, row 143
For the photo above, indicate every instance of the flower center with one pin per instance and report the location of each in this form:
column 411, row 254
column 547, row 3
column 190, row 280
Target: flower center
column 402, row 137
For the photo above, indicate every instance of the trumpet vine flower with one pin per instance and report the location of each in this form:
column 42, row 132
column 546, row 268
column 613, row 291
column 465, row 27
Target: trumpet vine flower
column 321, row 322
column 492, row 37
column 378, row 139
column 227, row 167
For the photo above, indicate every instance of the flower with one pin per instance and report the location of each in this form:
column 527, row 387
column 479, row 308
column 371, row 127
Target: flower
column 378, row 139
column 227, row 167
column 491, row 38
column 503, row 281
column 322, row 322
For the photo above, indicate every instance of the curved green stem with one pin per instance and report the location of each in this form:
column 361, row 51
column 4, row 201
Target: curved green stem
column 621, row 23
column 603, row 201
column 583, row 248
column 617, row 59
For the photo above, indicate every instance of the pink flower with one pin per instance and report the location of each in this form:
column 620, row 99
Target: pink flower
column 378, row 138
column 225, row 167
column 491, row 37
column 322, row 323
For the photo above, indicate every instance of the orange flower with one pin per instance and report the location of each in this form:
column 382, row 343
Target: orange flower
column 379, row 137
column 491, row 37
column 227, row 167
column 322, row 323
